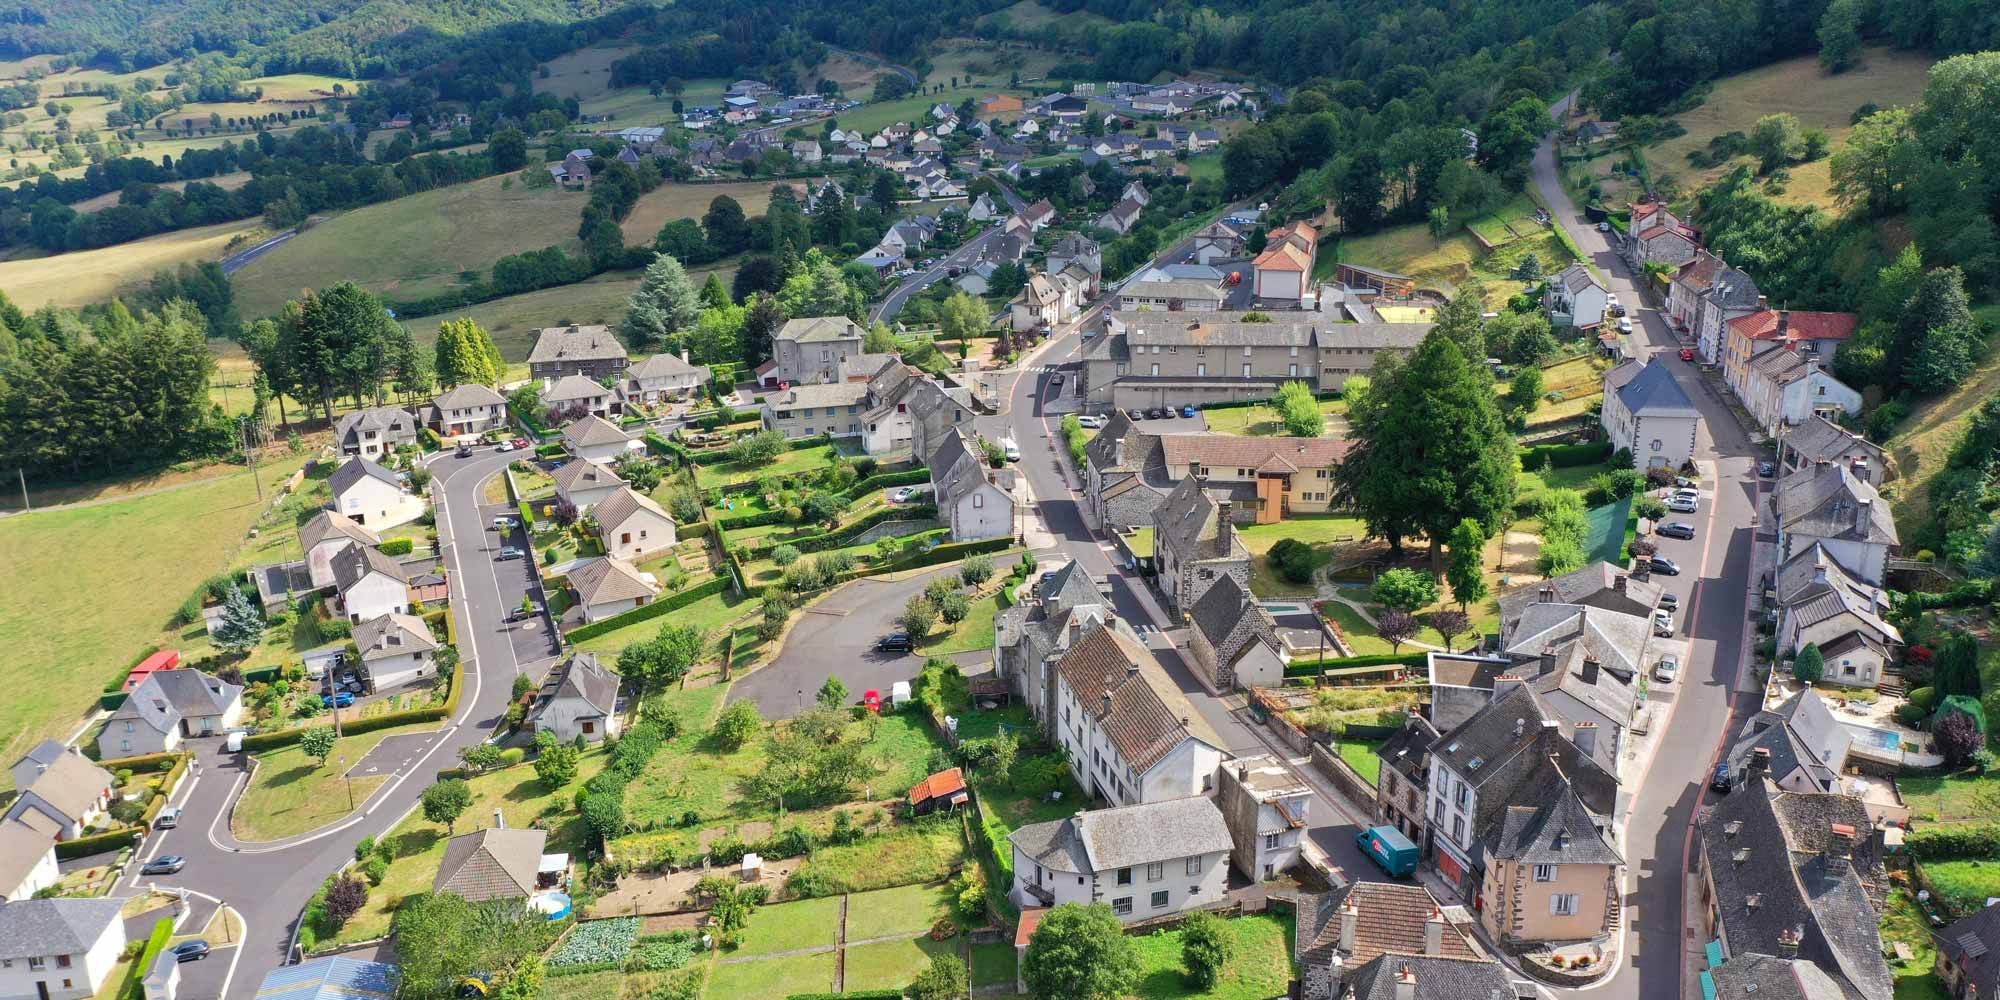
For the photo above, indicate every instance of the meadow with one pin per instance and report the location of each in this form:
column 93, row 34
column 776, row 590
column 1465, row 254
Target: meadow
column 87, row 276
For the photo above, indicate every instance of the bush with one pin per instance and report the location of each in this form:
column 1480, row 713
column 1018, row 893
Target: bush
column 1925, row 698
column 396, row 546
column 785, row 555
column 1293, row 560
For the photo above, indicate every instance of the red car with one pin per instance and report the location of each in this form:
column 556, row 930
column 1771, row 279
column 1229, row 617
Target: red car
column 1687, row 354
column 520, row 443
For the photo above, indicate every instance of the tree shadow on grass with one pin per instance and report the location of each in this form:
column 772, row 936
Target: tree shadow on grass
column 414, row 842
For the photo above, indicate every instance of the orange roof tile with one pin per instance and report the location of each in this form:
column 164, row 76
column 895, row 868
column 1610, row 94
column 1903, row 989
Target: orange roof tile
column 950, row 781
column 1763, row 325
column 1283, row 257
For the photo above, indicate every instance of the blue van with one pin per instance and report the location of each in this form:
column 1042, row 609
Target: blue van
column 1389, row 849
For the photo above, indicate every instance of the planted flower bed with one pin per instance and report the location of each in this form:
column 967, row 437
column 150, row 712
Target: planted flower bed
column 599, row 944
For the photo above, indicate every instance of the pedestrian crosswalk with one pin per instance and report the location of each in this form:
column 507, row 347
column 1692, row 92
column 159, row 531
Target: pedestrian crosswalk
column 1044, row 369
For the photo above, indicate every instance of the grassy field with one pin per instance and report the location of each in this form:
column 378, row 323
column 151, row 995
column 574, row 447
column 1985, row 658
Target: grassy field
column 87, row 276
column 415, row 245
column 1458, row 258
column 672, row 201
column 887, row 965
column 1263, row 421
column 1923, row 441
column 1318, row 530
column 974, row 60
column 583, row 74
column 513, row 319
column 1259, row 966
column 227, row 182
column 290, row 794
column 1902, row 921
column 772, row 978
column 808, row 923
column 1887, row 77
column 113, row 573
column 1360, row 755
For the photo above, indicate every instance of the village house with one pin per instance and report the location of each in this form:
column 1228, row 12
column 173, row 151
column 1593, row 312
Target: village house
column 1598, row 585
column 662, row 377
column 1704, row 296
column 1080, row 256
column 1130, row 733
column 590, row 351
column 1120, row 218
column 1125, row 474
column 1817, row 335
column 596, row 439
column 375, row 432
column 65, row 794
column 1000, row 104
column 1819, row 439
column 1804, row 748
column 489, row 864
column 1218, row 240
column 1831, row 507
column 1769, row 977
column 1031, row 636
column 887, row 423
column 1040, row 214
column 368, row 584
column 1266, row 807
column 574, row 169
column 1574, row 297
column 396, row 649
column 1234, row 640
column 805, row 152
column 607, row 587
column 1551, row 872
column 1402, row 785
column 1146, row 860
column 1585, row 664
column 368, row 494
column 1171, row 295
column 1966, row 961
column 936, row 408
column 1195, row 544
column 585, row 483
column 975, row 500
column 580, row 698
column 1268, row 478
column 632, row 526
column 27, row 856
column 1392, row 941
column 576, row 395
column 467, row 409
column 1649, row 415
column 1046, row 301
column 326, row 534
column 1820, row 603
column 813, row 409
column 1795, row 875
column 983, row 209
column 1657, row 236
column 810, row 350
column 1784, row 387
column 59, row 949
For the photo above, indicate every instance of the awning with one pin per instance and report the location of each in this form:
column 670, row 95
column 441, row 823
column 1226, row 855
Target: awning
column 1707, row 986
column 552, row 863
column 1714, row 951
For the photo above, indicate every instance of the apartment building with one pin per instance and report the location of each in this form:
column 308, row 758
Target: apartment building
column 1146, row 358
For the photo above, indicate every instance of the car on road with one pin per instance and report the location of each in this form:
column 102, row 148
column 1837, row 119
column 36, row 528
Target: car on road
column 1670, row 600
column 909, row 493
column 169, row 818
column 504, row 446
column 1663, row 566
column 1010, row 449
column 1187, row 411
column 191, row 951
column 168, row 865
column 1666, row 670
column 1624, row 324
column 338, row 699
column 1090, row 420
column 1722, row 780
column 1663, row 622
column 894, row 642
column 1676, row 529
column 505, row 523
column 1682, row 504
column 1687, row 354
column 1766, row 470
column 522, row 444
column 509, row 552
column 464, row 451
column 1056, row 383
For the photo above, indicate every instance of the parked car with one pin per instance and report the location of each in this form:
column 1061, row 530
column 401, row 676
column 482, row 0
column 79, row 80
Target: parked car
column 1393, row 852
column 1683, row 484
column 522, row 444
column 191, row 951
column 1663, row 622
column 1187, row 411
column 169, row 818
column 1091, row 421
column 504, row 446
column 1614, row 308
column 464, row 451
column 1676, row 529
column 1624, row 324
column 1666, row 670
column 1012, row 450
column 1670, row 600
column 1159, row 413
column 1056, row 383
column 1682, row 504
column 1687, row 354
column 505, row 523
column 908, row 493
column 1766, row 470
column 1663, row 566
column 168, row 865
column 1136, row 414
column 338, row 699
column 509, row 552
column 1722, row 780
column 894, row 642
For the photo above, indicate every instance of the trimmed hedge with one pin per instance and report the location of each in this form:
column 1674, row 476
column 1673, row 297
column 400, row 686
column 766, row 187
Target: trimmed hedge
column 167, row 785
column 144, row 762
column 97, row 843
column 847, row 533
column 117, row 684
column 1951, row 842
column 134, row 987
column 948, row 552
column 850, row 995
column 396, row 546
column 263, row 675
column 1312, row 668
column 286, row 737
column 708, row 588
column 1566, row 456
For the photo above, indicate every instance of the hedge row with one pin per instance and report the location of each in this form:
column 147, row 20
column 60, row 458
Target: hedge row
column 167, row 785
column 850, row 995
column 134, row 987
column 847, row 533
column 707, row 588
column 1312, row 668
column 97, row 843
column 286, row 737
column 144, row 762
column 1565, row 456
column 582, row 970
column 396, row 546
column 948, row 552
column 879, row 481
column 1963, row 595
column 1950, row 842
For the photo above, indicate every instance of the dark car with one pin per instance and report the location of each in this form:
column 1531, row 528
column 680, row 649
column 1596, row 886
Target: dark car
column 1766, row 470
column 1722, row 780
column 1136, row 414
column 1056, row 383
column 164, row 866
column 1664, row 566
column 1676, row 529
column 1159, row 413
column 191, row 951
column 464, row 451
column 894, row 642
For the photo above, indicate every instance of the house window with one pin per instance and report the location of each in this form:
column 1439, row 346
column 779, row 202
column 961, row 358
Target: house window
column 1156, row 369
column 62, row 961
column 1122, row 906
column 1545, row 873
column 1562, row 904
column 1458, row 829
column 1658, row 444
column 1156, row 871
column 1246, row 369
column 1464, row 795
column 128, row 725
column 1194, row 865
column 1293, row 370
column 1124, row 876
column 1160, row 899
column 1389, row 782
column 37, row 963
column 1201, row 369
column 589, row 726
column 1270, row 841
column 978, row 500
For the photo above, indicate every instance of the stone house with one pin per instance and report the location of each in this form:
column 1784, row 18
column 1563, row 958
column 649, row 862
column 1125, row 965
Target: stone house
column 1125, row 474
column 589, row 351
column 1402, row 784
column 1647, row 413
column 1266, row 807
column 1194, row 544
column 1131, row 734
column 810, row 350
column 1829, row 506
column 1391, row 941
column 375, row 432
column 1234, row 640
column 1145, row 860
column 1657, row 236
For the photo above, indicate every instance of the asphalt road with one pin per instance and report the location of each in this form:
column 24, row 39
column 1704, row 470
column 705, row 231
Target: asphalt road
column 965, row 256
column 269, row 883
column 235, row 262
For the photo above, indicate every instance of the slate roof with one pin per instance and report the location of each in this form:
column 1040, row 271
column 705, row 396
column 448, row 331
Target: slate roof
column 1649, row 390
column 619, row 507
column 602, row 581
column 1102, row 450
column 1820, row 438
column 46, row 752
column 1508, row 739
column 1813, row 571
column 24, row 843
column 593, row 430
column 333, row 978
column 815, row 329
column 1407, row 751
column 1186, row 522
column 586, row 678
column 1972, row 942
column 1436, row 979
column 1576, row 278
column 580, row 474
column 38, row 928
column 1127, row 693
column 1389, row 920
column 382, row 419
column 573, row 387
column 819, row 394
column 356, row 469
column 1800, row 733
column 1549, row 825
column 575, row 343
column 1219, row 611
column 392, row 635
column 1214, row 329
column 1126, row 836
column 1825, row 501
column 1070, row 587
column 167, row 696
column 1596, row 585
column 355, row 562
column 665, row 365
column 467, row 396
column 1284, row 455
column 1765, row 977
column 494, row 863
column 1572, row 636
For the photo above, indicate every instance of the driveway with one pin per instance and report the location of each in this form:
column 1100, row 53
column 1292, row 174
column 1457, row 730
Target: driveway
column 836, row 638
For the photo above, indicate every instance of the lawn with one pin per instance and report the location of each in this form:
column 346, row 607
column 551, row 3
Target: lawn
column 993, row 964
column 1902, row 921
column 1964, row 886
column 980, row 724
column 88, row 276
column 1927, row 436
column 1360, row 755
column 772, row 977
column 418, row 844
column 165, row 543
column 890, row 964
column 1359, row 634
column 974, row 633
column 911, row 909
column 1456, row 260
column 673, row 200
column 905, row 853
column 711, row 614
column 290, row 794
column 787, row 463
column 1321, row 531
column 1962, row 797
column 416, row 245
column 1263, row 421
column 1259, row 966
column 808, row 923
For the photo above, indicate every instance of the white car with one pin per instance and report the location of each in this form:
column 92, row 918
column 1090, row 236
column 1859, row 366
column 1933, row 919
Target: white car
column 1666, row 670
column 1682, row 504
column 1090, row 420
column 1013, row 450
column 1624, row 324
column 909, row 493
column 1663, row 622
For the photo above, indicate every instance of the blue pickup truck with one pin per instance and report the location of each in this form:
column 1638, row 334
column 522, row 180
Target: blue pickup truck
column 1389, row 849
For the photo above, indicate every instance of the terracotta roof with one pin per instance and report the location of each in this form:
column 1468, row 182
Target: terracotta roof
column 1799, row 325
column 1283, row 257
column 1389, row 920
column 1286, row 454
column 1125, row 690
column 949, row 781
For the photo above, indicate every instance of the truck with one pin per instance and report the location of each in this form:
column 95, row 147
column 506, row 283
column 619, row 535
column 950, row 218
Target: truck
column 1389, row 849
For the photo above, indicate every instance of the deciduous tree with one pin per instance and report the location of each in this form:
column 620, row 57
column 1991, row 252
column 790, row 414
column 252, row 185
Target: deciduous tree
column 1080, row 953
column 446, row 801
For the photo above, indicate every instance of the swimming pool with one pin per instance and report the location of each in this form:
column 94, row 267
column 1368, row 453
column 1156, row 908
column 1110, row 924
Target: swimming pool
column 1877, row 739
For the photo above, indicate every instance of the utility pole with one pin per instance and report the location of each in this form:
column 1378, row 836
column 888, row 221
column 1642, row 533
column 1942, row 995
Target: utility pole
column 250, row 456
column 25, row 506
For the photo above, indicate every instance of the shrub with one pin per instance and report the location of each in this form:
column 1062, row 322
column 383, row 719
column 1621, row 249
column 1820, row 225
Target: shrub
column 397, row 546
column 1293, row 560
column 738, row 724
column 785, row 555
column 345, row 897
column 376, row 869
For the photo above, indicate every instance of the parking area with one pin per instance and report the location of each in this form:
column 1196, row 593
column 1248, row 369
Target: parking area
column 517, row 578
column 392, row 755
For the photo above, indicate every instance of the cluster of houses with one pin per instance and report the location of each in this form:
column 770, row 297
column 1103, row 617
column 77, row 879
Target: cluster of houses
column 749, row 100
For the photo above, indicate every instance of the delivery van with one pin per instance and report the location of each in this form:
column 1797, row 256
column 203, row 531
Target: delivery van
column 1389, row 849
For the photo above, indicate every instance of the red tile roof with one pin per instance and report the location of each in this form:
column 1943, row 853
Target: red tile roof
column 1763, row 325
column 950, row 781
column 1031, row 918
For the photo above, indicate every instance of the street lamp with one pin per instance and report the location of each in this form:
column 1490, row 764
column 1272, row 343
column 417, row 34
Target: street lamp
column 348, row 780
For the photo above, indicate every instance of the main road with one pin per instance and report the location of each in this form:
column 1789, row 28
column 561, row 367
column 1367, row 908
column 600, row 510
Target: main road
column 269, row 883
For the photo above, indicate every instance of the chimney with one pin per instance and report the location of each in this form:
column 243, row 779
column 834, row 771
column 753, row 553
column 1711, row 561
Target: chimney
column 1784, row 322
column 1590, row 668
column 1546, row 595
column 1520, row 726
column 1106, row 702
column 1839, row 840
column 1406, row 984
column 1618, row 583
column 1585, row 737
column 1861, row 512
column 1505, row 683
column 1551, row 732
column 1350, row 922
column 499, row 819
column 1434, row 933
column 1131, row 670
column 1760, row 760
column 1788, row 941
column 1547, row 660
column 1763, row 302
column 1118, row 451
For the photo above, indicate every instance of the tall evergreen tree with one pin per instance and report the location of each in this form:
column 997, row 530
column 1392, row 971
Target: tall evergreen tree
column 240, row 626
column 664, row 306
column 463, row 355
column 760, row 326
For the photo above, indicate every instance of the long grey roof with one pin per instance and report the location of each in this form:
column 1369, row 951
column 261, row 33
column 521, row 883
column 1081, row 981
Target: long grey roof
column 1820, row 438
column 167, row 696
column 375, row 418
column 593, row 430
column 585, row 474
column 1599, row 585
column 573, row 386
column 1766, row 977
column 354, row 562
column 1127, row 836
column 1828, row 501
column 469, row 395
column 1070, row 587
column 38, row 928
column 1800, row 734
column 356, row 469
column 1650, row 390
column 575, row 343
column 665, row 365
column 1973, row 943
column 1436, row 979
column 493, row 863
